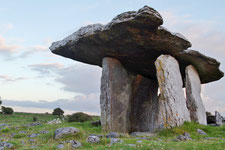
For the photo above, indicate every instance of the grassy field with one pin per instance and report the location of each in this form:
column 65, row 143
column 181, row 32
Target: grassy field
column 163, row 140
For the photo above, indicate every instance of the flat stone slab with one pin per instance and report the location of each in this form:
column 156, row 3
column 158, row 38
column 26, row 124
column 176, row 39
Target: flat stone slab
column 136, row 39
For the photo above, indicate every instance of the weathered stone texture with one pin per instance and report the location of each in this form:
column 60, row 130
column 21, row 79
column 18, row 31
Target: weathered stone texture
column 144, row 105
column 218, row 118
column 116, row 88
column 172, row 104
column 193, row 91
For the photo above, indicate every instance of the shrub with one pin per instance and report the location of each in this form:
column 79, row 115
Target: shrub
column 58, row 111
column 7, row 110
column 79, row 117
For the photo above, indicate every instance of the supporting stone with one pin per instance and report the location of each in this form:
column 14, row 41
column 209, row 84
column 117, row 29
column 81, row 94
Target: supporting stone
column 193, row 91
column 172, row 104
column 116, row 89
column 144, row 105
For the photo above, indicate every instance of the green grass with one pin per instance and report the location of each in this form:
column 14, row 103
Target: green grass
column 164, row 139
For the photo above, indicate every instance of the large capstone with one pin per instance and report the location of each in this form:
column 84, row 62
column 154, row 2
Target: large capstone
column 172, row 104
column 116, row 89
column 136, row 39
column 194, row 101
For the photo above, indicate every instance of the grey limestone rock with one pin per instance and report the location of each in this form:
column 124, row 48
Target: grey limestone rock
column 193, row 91
column 112, row 135
column 64, row 131
column 172, row 104
column 93, row 139
column 201, row 132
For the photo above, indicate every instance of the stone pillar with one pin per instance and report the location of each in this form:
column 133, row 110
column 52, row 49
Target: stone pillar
column 172, row 103
column 116, row 89
column 193, row 91
column 144, row 105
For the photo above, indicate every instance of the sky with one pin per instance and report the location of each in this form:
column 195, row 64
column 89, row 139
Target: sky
column 32, row 79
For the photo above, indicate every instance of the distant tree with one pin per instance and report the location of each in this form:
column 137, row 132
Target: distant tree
column 7, row 110
column 58, row 111
column 79, row 117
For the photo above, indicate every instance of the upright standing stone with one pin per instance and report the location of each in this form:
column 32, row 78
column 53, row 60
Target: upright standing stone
column 116, row 89
column 218, row 118
column 193, row 91
column 144, row 105
column 172, row 104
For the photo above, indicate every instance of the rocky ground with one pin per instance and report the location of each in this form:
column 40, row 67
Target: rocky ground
column 18, row 131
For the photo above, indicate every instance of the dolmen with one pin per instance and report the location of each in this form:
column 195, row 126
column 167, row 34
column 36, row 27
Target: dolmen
column 144, row 70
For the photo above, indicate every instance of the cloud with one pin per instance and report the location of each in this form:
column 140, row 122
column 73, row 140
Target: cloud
column 7, row 50
column 6, row 78
column 46, row 68
column 33, row 50
column 88, row 103
column 80, row 78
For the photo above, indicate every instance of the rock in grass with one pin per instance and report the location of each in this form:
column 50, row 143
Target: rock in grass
column 4, row 145
column 74, row 143
column 64, row 131
column 60, row 146
column 184, row 137
column 115, row 140
column 112, row 135
column 201, row 132
column 44, row 132
column 98, row 135
column 93, row 139
column 33, row 135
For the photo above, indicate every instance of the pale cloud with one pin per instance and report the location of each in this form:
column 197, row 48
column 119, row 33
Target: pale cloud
column 46, row 68
column 6, row 49
column 6, row 78
column 33, row 50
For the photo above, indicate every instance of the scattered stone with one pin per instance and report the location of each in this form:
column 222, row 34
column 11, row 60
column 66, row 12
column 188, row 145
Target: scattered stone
column 93, row 139
column 112, row 135
column 4, row 125
column 31, row 140
column 139, row 141
column 4, row 145
column 143, row 134
column 74, row 144
column 219, row 118
column 184, row 137
column 201, row 132
column 96, row 123
column 55, row 121
column 22, row 132
column 64, row 131
column 98, row 135
column 60, row 146
column 33, row 135
column 115, row 140
column 33, row 124
column 34, row 146
column 44, row 132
